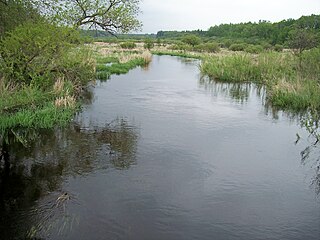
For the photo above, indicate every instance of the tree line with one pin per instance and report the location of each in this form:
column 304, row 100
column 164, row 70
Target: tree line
column 255, row 33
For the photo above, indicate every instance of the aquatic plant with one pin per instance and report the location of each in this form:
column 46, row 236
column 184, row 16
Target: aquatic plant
column 291, row 83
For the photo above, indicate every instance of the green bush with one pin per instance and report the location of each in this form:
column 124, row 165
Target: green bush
column 237, row 47
column 128, row 45
column 278, row 48
column 191, row 39
column 148, row 44
column 33, row 52
column 211, row 47
column 254, row 48
column 181, row 47
column 266, row 46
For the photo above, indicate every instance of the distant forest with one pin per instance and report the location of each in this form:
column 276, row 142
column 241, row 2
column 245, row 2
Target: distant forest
column 273, row 33
column 262, row 32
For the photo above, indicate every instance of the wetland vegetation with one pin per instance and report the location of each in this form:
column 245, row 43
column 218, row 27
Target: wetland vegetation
column 49, row 66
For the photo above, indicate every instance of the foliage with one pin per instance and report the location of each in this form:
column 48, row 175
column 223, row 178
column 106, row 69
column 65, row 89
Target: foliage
column 148, row 43
column 288, row 86
column 128, row 45
column 16, row 12
column 191, row 39
column 31, row 53
column 180, row 46
column 120, row 64
column 113, row 16
column 237, row 47
column 253, row 48
column 302, row 39
column 262, row 33
column 211, row 47
column 274, row 33
column 183, row 54
column 278, row 48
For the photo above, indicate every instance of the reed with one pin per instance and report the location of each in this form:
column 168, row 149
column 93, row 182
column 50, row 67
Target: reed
column 290, row 82
column 120, row 63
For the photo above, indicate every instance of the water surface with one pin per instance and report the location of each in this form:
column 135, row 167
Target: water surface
column 162, row 154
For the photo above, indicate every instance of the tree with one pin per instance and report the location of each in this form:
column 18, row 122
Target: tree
column 14, row 13
column 148, row 43
column 113, row 16
column 302, row 39
column 191, row 39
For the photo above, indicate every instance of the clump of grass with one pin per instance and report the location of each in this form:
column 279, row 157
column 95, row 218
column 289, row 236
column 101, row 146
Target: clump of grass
column 128, row 45
column 292, row 83
column 42, row 117
column 67, row 101
column 178, row 54
column 121, row 63
column 233, row 68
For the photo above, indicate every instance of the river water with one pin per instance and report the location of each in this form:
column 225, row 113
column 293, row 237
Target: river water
column 160, row 153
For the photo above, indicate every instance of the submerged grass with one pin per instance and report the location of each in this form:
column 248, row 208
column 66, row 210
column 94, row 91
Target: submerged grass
column 292, row 82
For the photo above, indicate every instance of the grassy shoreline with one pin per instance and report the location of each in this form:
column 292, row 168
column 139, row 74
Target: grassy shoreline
column 292, row 83
column 32, row 107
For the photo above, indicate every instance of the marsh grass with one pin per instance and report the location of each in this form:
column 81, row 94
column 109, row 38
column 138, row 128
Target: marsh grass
column 184, row 54
column 120, row 62
column 291, row 83
column 41, row 117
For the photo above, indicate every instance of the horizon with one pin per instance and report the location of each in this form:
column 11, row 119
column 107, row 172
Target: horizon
column 201, row 17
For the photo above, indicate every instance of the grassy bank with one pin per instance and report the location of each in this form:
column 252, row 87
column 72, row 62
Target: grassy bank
column 55, row 100
column 117, row 61
column 33, row 107
column 185, row 54
column 292, row 81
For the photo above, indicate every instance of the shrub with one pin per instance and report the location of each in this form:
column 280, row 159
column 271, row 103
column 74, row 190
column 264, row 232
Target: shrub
column 266, row 45
column 180, row 46
column 237, row 47
column 148, row 44
column 278, row 48
column 254, row 49
column 191, row 39
column 128, row 45
column 32, row 53
column 211, row 47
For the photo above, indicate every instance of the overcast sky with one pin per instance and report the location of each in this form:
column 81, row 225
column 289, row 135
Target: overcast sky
column 201, row 14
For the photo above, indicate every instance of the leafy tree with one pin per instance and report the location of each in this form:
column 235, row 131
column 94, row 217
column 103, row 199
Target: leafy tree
column 302, row 39
column 191, row 39
column 15, row 12
column 148, row 44
column 113, row 16
column 34, row 53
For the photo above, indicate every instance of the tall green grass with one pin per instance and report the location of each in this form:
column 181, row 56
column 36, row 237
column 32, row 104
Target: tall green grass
column 183, row 54
column 41, row 117
column 111, row 65
column 291, row 82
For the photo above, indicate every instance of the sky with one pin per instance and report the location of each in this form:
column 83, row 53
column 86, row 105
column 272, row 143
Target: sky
column 201, row 14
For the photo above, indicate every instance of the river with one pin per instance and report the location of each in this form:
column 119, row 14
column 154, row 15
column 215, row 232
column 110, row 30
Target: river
column 160, row 153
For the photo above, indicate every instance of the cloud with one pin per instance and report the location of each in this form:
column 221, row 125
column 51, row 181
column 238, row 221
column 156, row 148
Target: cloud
column 201, row 14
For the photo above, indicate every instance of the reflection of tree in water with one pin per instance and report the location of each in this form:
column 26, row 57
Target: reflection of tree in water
column 311, row 154
column 239, row 92
column 310, row 120
column 40, row 168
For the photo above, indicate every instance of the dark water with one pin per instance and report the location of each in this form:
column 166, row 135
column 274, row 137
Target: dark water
column 161, row 154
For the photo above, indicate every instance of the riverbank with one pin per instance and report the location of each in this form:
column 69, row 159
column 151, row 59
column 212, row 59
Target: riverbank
column 292, row 81
column 29, row 106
